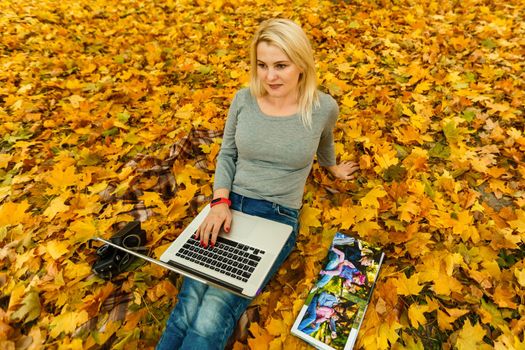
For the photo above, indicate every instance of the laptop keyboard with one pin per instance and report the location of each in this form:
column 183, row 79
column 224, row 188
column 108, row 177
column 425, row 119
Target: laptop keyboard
column 228, row 257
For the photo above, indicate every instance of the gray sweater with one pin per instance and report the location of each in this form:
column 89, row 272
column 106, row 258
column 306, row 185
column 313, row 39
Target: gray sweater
column 266, row 157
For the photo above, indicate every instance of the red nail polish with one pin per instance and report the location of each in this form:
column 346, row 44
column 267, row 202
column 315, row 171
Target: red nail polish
column 212, row 244
column 227, row 229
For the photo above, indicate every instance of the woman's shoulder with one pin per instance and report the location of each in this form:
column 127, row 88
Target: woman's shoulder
column 326, row 100
column 241, row 99
column 327, row 106
column 243, row 94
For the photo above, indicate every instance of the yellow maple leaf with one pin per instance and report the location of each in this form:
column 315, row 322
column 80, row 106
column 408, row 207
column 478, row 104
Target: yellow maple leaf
column 260, row 339
column 14, row 213
column 67, row 322
column 370, row 199
column 416, row 315
column 344, row 216
column 470, row 336
column 81, row 231
column 152, row 199
column 423, row 86
column 185, row 112
column 504, row 296
column 409, row 209
column 57, row 248
column 444, row 284
column 366, row 228
column 387, row 334
column 309, row 217
column 275, row 327
column 385, row 160
column 408, row 286
column 61, row 177
column 519, row 223
column 5, row 159
column 56, row 206
column 447, row 317
column 520, row 276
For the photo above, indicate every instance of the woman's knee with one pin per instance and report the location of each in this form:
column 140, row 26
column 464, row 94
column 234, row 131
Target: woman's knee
column 219, row 314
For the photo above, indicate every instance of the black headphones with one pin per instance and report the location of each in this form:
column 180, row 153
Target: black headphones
column 112, row 261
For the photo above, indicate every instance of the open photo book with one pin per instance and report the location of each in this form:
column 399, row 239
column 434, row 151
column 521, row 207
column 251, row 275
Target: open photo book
column 336, row 305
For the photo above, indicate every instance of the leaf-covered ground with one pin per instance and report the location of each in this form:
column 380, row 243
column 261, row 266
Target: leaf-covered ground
column 431, row 96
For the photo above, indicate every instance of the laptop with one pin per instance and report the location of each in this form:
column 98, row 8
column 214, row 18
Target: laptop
column 240, row 260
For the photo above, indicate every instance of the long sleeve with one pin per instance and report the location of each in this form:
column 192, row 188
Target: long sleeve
column 227, row 158
column 326, row 149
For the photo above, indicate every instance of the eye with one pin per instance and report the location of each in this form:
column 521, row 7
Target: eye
column 261, row 65
column 281, row 66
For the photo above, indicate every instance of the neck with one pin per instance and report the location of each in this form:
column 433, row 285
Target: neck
column 284, row 101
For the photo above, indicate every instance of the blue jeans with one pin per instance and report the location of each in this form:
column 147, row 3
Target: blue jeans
column 309, row 317
column 204, row 316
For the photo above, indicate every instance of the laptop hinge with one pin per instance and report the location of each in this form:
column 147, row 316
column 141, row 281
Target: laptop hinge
column 206, row 277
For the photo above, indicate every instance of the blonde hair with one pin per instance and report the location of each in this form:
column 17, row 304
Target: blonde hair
column 291, row 39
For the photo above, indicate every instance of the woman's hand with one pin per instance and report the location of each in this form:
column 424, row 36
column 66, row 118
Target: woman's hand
column 219, row 216
column 344, row 170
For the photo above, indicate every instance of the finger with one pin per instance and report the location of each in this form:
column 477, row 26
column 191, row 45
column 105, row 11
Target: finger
column 215, row 233
column 202, row 229
column 227, row 223
column 205, row 236
column 350, row 163
column 197, row 232
column 351, row 167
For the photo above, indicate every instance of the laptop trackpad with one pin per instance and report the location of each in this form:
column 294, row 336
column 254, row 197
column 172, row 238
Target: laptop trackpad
column 258, row 234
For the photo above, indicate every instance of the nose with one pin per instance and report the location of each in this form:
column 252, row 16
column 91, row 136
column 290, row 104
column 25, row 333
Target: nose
column 272, row 74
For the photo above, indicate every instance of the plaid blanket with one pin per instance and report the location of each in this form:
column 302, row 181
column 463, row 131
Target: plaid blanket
column 115, row 306
column 146, row 166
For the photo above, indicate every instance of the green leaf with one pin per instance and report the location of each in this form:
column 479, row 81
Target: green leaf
column 491, row 314
column 468, row 115
column 395, row 173
column 353, row 25
column 471, row 77
column 89, row 159
column 205, row 69
column 30, row 309
column 119, row 59
column 123, row 116
column 110, row 132
column 489, row 43
column 402, row 152
column 451, row 132
column 132, row 138
column 439, row 151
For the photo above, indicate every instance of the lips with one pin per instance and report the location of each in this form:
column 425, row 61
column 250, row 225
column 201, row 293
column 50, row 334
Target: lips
column 274, row 86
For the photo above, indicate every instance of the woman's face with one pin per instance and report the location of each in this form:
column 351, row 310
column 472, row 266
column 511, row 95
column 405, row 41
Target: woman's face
column 278, row 74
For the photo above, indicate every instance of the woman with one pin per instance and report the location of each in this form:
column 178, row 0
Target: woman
column 272, row 133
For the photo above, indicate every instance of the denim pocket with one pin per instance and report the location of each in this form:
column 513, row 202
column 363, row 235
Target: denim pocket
column 289, row 213
column 287, row 216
